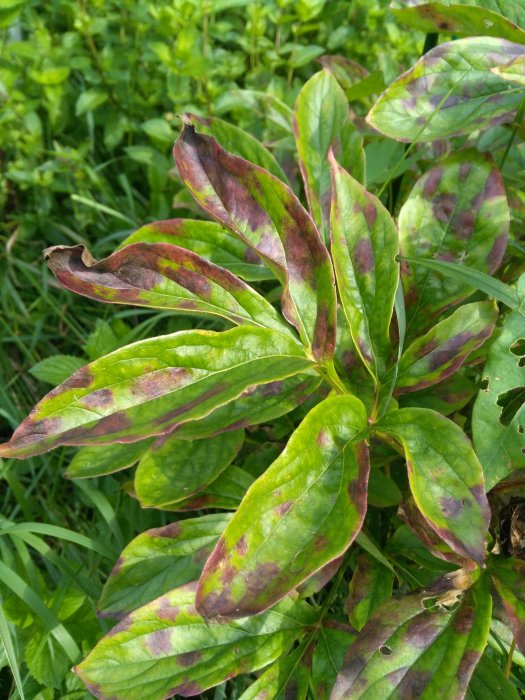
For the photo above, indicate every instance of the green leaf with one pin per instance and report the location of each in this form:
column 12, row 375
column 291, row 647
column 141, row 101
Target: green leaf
column 321, row 123
column 514, row 71
column 162, row 276
column 173, row 470
column 285, row 678
column 370, row 586
column 406, row 650
column 498, row 417
column 319, row 480
column 148, row 387
column 364, row 246
column 207, row 239
column 507, row 577
column 158, row 130
column 489, row 683
column 333, row 640
column 56, row 369
column 106, row 459
column 53, row 75
column 159, row 560
column 456, row 212
column 445, row 478
column 89, row 100
column 445, row 347
column 225, row 493
column 268, row 217
column 167, row 648
column 446, row 397
column 450, row 92
column 346, row 71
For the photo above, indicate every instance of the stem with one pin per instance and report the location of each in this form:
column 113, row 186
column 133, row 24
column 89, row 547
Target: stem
column 329, row 374
column 509, row 658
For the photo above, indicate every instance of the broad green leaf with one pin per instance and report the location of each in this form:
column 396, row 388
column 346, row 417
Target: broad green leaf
column 317, row 581
column 225, row 492
column 238, row 142
column 498, row 417
column 148, row 387
column 173, row 470
column 285, row 678
column 450, row 91
column 56, row 369
column 302, row 513
column 370, row 586
column 105, row 459
column 166, row 648
column 445, row 477
column 267, row 216
column 364, row 246
column 346, row 71
column 159, row 560
column 513, row 71
column 333, row 639
column 489, row 683
column 406, row 650
column 446, row 397
column 439, row 353
column 508, row 576
column 162, row 277
column 207, row 239
column 382, row 490
column 456, row 212
column 90, row 100
column 460, row 17
column 321, row 123
column 52, row 75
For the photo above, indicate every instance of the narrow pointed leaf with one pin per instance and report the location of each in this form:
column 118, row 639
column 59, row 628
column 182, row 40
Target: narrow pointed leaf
column 159, row 560
column 301, row 514
column 443, row 350
column 450, row 92
column 267, row 216
column 445, row 478
column 364, row 246
column 407, row 651
column 166, row 648
column 333, row 640
column 173, row 470
column 106, row 459
column 370, row 586
column 489, row 683
column 508, row 576
column 148, row 387
column 321, row 123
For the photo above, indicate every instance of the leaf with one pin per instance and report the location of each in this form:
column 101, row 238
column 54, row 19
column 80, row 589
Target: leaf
column 456, row 212
column 445, row 347
column 370, row 586
column 406, row 650
column 105, row 459
column 449, row 92
column 56, row 368
column 446, row 397
column 459, row 17
column 498, row 417
column 162, row 277
column 382, row 490
column 268, row 217
column 148, row 387
column 173, row 470
column 507, row 577
column 285, row 678
column 159, row 560
column 167, row 648
column 333, row 640
column 207, row 239
column 445, row 478
column 318, row 581
column 489, row 683
column 364, row 246
column 301, row 514
column 514, row 71
column 321, row 123
column 89, row 100
column 225, row 493
column 346, row 71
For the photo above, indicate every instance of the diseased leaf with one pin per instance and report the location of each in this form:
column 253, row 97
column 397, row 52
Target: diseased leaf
column 285, row 678
column 333, row 640
column 207, row 239
column 166, row 648
column 370, row 586
column 445, row 347
column 407, row 651
column 514, row 71
column 508, row 576
column 445, row 478
column 148, row 387
column 301, row 514
column 225, row 493
column 450, row 92
column 317, row 581
column 267, row 216
column 498, row 417
column 159, row 560
column 173, row 470
column 364, row 246
column 105, row 459
column 446, row 397
column 321, row 123
column 456, row 212
column 346, row 71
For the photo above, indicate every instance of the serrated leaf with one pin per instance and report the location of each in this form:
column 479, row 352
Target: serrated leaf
column 456, row 212
column 450, row 92
column 442, row 351
column 370, row 586
column 267, row 216
column 173, row 470
column 159, row 560
column 162, row 277
column 445, row 478
column 301, row 514
column 406, row 650
column 364, row 246
column 148, row 387
column 508, row 576
column 166, row 648
column 321, row 123
column 106, row 459
column 56, row 369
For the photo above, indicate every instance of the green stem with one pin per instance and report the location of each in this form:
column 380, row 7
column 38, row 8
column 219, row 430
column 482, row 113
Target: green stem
column 329, row 374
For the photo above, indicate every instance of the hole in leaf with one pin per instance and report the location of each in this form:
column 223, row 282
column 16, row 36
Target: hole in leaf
column 511, row 402
column 484, row 386
column 520, row 428
column 518, row 348
column 385, row 650
column 465, row 502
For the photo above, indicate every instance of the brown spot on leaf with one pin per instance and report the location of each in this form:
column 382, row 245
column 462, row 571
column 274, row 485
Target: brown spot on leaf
column 363, row 256
column 432, row 182
column 443, row 206
column 497, row 252
column 159, row 642
column 190, row 658
column 370, row 214
column 283, row 508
